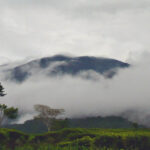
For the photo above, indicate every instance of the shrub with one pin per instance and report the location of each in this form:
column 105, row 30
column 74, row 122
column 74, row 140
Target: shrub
column 109, row 141
column 85, row 141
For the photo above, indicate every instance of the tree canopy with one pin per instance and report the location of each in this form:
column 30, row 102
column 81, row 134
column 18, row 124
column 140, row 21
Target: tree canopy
column 47, row 114
column 2, row 93
column 5, row 111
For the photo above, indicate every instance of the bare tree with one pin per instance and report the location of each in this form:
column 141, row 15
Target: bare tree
column 47, row 114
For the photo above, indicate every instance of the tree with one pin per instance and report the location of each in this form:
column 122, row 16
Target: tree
column 5, row 111
column 58, row 124
column 2, row 90
column 47, row 114
column 135, row 125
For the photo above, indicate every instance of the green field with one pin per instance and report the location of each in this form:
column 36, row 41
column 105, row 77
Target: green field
column 74, row 139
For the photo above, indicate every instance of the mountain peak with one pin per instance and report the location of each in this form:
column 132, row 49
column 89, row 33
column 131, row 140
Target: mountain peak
column 61, row 65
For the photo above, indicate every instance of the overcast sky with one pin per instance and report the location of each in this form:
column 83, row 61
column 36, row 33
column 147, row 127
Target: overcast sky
column 35, row 28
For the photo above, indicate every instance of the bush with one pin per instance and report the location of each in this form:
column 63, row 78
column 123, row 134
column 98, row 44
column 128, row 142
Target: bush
column 139, row 142
column 109, row 141
column 85, row 141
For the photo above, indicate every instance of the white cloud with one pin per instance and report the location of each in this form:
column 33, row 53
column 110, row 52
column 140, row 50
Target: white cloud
column 127, row 94
column 46, row 27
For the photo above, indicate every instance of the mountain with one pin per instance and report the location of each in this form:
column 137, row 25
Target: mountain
column 62, row 65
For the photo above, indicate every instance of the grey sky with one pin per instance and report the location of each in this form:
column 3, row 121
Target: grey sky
column 36, row 28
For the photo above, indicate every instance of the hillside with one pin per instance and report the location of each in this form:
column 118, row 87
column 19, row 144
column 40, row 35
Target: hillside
column 36, row 126
column 61, row 65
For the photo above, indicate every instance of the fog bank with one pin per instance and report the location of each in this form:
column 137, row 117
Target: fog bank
column 127, row 94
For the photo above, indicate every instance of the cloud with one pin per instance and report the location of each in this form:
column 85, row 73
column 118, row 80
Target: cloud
column 34, row 28
column 116, row 29
column 127, row 94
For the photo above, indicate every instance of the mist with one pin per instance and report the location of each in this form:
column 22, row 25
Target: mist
column 126, row 94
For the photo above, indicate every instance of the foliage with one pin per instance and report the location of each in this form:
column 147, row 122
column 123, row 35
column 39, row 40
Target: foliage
column 100, row 122
column 74, row 139
column 135, row 125
column 37, row 126
column 5, row 111
column 58, row 124
column 11, row 112
column 29, row 126
column 2, row 93
column 47, row 114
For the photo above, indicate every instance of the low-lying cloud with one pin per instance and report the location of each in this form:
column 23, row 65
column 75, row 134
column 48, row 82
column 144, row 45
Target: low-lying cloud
column 127, row 94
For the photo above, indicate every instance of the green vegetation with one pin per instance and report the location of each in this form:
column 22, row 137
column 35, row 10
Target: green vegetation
column 2, row 93
column 5, row 111
column 71, row 138
column 37, row 126
column 82, row 139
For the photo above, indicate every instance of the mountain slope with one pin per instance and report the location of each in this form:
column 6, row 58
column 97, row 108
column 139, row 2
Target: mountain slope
column 62, row 65
column 36, row 126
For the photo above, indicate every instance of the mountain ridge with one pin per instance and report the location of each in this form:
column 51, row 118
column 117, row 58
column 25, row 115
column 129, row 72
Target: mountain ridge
column 62, row 65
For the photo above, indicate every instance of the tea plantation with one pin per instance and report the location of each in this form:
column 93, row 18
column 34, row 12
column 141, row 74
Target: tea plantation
column 78, row 138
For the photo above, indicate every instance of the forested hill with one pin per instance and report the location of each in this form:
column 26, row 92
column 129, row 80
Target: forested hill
column 36, row 126
column 60, row 65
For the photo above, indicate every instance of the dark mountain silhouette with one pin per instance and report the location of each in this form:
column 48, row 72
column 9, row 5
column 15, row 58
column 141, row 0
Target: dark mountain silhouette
column 61, row 65
column 36, row 126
